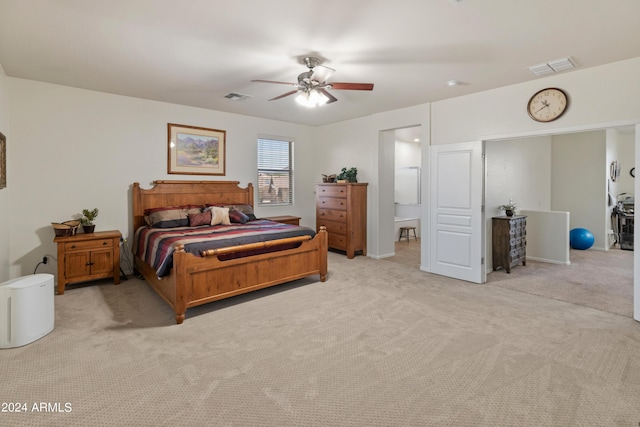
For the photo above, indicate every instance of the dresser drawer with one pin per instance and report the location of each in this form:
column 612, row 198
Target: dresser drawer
column 332, row 191
column 332, row 203
column 338, row 241
column 334, row 227
column 330, row 215
column 89, row 244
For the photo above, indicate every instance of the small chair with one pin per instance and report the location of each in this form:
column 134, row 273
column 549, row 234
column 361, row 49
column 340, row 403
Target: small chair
column 404, row 232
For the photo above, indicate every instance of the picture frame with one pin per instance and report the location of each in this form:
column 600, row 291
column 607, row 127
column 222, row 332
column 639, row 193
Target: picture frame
column 194, row 150
column 3, row 161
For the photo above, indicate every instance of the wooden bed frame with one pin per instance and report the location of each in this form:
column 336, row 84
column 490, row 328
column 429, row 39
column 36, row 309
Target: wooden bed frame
column 197, row 280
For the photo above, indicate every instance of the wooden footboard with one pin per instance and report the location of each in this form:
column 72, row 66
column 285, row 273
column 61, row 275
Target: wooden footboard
column 199, row 280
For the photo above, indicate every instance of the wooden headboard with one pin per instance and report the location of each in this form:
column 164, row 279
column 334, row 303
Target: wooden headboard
column 178, row 193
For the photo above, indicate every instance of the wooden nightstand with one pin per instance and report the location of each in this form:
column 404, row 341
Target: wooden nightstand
column 88, row 256
column 285, row 219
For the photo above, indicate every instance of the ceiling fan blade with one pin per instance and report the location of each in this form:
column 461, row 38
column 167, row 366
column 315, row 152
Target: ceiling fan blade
column 271, row 81
column 284, row 94
column 328, row 95
column 351, row 86
column 321, row 73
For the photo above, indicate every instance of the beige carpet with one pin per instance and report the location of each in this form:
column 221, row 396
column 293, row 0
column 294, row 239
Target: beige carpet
column 376, row 345
column 596, row 279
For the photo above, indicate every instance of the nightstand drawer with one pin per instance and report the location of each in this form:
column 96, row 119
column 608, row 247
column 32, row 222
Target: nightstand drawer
column 284, row 219
column 332, row 191
column 89, row 244
column 331, row 215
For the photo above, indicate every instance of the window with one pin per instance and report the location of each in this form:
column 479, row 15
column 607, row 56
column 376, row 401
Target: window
column 275, row 172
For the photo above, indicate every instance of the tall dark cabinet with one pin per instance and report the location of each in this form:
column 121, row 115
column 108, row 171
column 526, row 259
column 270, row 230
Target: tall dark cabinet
column 509, row 235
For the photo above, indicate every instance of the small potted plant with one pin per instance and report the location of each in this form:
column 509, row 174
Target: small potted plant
column 87, row 220
column 509, row 208
column 348, row 175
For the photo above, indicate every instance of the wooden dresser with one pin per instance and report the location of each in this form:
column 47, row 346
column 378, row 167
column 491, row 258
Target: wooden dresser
column 89, row 256
column 509, row 235
column 342, row 209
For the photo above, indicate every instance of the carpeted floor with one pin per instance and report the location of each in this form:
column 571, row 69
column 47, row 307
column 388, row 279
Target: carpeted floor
column 595, row 279
column 376, row 345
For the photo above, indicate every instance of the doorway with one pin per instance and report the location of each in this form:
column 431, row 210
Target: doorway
column 548, row 173
column 401, row 192
column 407, row 203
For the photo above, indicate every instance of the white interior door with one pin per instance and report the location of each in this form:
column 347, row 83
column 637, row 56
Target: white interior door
column 636, row 237
column 457, row 191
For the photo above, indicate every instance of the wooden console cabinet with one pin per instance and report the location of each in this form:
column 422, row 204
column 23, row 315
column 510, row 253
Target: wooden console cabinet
column 342, row 208
column 89, row 256
column 509, row 235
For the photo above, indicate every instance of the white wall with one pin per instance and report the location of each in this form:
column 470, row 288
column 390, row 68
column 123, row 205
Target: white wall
column 579, row 182
column 5, row 224
column 73, row 149
column 518, row 169
column 598, row 97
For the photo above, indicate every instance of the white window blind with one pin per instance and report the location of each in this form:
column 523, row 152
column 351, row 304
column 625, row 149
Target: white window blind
column 275, row 172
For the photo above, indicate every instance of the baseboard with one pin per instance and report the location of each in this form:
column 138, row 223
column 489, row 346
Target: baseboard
column 382, row 256
column 550, row 261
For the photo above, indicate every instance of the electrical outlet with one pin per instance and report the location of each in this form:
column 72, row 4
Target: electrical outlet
column 45, row 259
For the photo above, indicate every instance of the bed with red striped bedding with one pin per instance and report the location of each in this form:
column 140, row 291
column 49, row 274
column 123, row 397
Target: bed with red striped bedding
column 156, row 246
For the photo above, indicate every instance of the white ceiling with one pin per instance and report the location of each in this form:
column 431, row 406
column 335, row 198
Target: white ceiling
column 194, row 52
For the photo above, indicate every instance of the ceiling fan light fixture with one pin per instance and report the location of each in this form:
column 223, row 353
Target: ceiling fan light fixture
column 311, row 98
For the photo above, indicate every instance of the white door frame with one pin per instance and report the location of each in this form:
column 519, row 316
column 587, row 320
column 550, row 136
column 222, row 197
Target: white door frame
column 636, row 238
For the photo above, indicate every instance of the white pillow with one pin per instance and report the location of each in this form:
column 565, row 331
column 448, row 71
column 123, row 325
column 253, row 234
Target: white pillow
column 219, row 216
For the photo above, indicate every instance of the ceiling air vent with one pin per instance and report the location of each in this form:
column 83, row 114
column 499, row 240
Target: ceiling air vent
column 554, row 66
column 237, row 96
column 561, row 64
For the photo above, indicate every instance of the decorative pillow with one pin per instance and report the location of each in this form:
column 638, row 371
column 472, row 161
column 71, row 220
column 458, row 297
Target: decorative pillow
column 245, row 209
column 200, row 218
column 219, row 215
column 238, row 217
column 169, row 217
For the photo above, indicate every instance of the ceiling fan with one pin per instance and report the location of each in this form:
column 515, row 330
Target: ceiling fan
column 312, row 86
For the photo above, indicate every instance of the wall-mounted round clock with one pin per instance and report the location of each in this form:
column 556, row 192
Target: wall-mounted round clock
column 548, row 104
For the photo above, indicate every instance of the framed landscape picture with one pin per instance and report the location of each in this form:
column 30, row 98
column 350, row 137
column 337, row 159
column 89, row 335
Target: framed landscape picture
column 3, row 161
column 196, row 150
